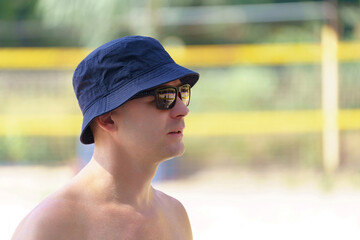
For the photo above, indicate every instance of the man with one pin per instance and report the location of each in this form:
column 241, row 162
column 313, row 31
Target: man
column 134, row 99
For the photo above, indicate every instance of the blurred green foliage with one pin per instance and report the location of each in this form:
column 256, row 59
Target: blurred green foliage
column 37, row 150
column 92, row 22
column 349, row 84
column 254, row 88
column 18, row 9
column 257, row 151
column 242, row 88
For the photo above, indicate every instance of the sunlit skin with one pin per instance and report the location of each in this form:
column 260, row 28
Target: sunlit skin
column 112, row 197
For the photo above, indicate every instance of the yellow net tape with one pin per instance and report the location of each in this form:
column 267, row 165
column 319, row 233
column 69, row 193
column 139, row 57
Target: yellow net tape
column 197, row 124
column 192, row 56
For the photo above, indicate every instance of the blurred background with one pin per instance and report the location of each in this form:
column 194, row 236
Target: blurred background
column 274, row 131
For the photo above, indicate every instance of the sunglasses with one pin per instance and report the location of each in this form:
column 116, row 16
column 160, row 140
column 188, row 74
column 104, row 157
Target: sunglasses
column 165, row 97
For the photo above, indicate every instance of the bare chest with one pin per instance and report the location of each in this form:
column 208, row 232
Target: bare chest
column 109, row 225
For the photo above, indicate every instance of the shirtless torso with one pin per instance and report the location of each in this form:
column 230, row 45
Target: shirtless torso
column 72, row 214
column 134, row 100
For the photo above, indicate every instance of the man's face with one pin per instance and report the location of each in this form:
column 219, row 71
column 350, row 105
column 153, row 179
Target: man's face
column 148, row 132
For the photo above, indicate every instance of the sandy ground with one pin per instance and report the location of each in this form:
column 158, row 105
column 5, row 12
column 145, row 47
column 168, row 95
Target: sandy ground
column 222, row 204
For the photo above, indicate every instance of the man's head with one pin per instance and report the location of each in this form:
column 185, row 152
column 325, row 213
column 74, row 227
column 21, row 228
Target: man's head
column 142, row 129
column 119, row 70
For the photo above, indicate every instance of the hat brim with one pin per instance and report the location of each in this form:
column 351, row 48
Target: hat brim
column 163, row 74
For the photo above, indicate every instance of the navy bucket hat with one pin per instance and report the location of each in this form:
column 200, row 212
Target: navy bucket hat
column 117, row 70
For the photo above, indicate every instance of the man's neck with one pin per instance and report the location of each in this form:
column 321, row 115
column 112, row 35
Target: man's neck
column 119, row 180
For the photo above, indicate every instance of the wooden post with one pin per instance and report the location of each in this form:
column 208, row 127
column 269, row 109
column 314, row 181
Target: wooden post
column 330, row 99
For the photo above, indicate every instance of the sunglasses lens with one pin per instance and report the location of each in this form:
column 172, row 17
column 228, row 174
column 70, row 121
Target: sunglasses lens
column 185, row 94
column 166, row 98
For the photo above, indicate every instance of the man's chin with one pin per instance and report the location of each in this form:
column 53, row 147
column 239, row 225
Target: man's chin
column 174, row 151
column 180, row 151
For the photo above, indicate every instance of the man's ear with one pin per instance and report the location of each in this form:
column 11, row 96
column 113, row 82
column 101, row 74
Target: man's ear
column 106, row 122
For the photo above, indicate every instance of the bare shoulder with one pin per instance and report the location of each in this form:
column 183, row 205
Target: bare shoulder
column 177, row 211
column 54, row 218
column 170, row 202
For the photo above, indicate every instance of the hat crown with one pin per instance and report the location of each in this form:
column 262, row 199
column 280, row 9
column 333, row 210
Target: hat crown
column 115, row 64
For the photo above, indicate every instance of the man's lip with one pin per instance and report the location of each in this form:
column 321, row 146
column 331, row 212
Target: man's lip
column 178, row 131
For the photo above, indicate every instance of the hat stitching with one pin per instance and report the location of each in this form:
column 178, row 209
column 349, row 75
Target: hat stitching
column 104, row 96
column 130, row 82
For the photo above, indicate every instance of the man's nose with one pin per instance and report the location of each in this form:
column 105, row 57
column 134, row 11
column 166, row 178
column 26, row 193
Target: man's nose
column 180, row 109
